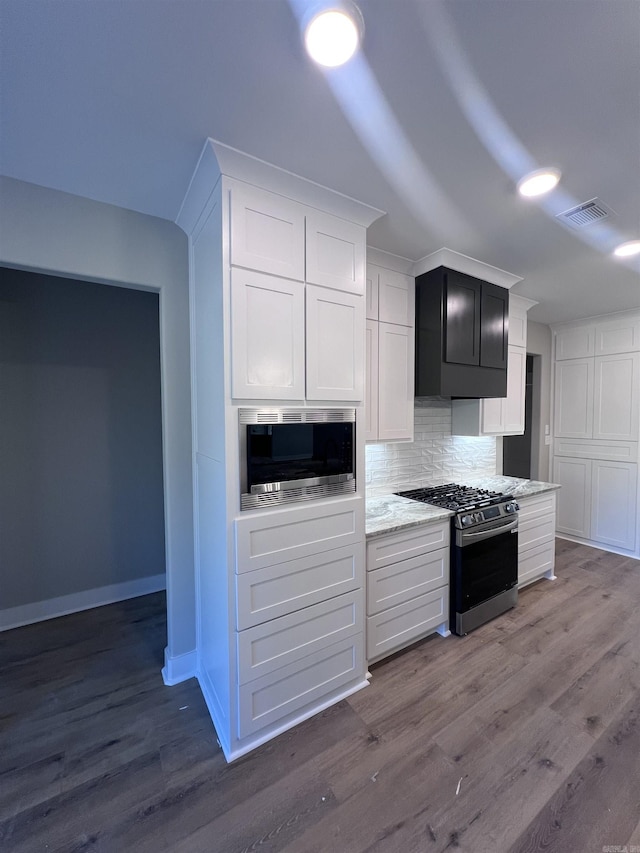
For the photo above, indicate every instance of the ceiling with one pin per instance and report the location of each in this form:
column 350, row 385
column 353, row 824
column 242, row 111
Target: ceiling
column 447, row 105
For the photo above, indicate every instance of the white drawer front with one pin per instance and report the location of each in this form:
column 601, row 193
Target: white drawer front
column 401, row 625
column 274, row 537
column 536, row 562
column 271, row 698
column 536, row 506
column 402, row 581
column 536, row 530
column 383, row 550
column 613, row 451
column 273, row 644
column 276, row 590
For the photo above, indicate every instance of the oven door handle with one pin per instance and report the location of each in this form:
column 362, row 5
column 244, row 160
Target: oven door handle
column 468, row 537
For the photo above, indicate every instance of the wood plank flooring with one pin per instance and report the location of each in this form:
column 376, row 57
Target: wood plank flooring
column 523, row 736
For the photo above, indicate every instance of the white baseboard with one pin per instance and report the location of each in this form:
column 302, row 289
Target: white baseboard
column 38, row 611
column 178, row 668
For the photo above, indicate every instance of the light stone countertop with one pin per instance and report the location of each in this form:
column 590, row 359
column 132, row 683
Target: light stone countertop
column 390, row 513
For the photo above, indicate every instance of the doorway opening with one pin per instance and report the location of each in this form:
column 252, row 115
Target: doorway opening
column 520, row 453
column 81, row 488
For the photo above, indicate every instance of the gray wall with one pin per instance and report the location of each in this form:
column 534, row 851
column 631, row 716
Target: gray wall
column 539, row 343
column 53, row 232
column 81, row 498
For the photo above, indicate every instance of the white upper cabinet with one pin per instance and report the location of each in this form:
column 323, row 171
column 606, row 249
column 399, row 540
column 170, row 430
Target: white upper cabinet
column 267, row 232
column 390, row 367
column 371, row 382
column 617, row 397
column 396, row 298
column 517, row 321
column 573, row 410
column 371, row 292
column 575, row 342
column 267, row 329
column 598, row 397
column 390, row 296
column 335, row 252
column 505, row 415
column 396, row 346
column 620, row 335
column 335, row 345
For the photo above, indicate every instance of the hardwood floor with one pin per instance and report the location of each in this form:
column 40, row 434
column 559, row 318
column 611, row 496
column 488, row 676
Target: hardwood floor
column 523, row 736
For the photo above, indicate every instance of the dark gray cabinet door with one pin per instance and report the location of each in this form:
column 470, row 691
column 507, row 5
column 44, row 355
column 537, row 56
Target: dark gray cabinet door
column 494, row 312
column 462, row 301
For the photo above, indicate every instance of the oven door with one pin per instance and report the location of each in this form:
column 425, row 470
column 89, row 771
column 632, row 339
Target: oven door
column 484, row 563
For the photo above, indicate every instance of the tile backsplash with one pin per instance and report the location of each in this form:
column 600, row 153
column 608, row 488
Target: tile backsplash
column 434, row 456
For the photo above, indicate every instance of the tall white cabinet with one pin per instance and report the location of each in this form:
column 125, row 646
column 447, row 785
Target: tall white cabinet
column 277, row 294
column 390, row 355
column 596, row 430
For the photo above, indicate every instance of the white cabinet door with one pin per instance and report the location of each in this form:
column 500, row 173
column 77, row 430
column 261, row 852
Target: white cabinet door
column 576, row 342
column 267, row 232
column 574, row 498
column 395, row 382
column 335, row 252
column 613, row 503
column 617, row 397
column 335, row 345
column 371, row 292
column 517, row 322
column 396, row 298
column 267, row 337
column 573, row 412
column 513, row 405
column 371, row 382
column 621, row 335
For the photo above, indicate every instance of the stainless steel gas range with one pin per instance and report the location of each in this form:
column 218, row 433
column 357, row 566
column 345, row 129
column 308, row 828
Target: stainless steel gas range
column 484, row 551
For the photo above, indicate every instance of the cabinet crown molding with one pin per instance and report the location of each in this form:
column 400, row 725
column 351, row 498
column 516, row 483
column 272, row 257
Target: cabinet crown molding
column 462, row 263
column 219, row 159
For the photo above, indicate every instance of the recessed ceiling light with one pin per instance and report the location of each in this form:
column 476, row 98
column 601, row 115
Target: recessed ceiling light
column 333, row 35
column 627, row 250
column 539, row 182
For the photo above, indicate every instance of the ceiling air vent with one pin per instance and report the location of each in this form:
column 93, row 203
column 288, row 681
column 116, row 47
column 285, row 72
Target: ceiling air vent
column 585, row 214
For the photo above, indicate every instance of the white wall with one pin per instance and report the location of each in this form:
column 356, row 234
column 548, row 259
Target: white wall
column 81, row 494
column 49, row 231
column 539, row 343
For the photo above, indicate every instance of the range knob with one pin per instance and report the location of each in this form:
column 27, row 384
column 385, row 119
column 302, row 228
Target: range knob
column 512, row 506
column 466, row 520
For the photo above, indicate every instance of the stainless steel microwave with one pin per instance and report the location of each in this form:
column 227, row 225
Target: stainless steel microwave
column 290, row 455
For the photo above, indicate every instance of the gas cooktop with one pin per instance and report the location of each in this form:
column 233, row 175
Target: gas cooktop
column 457, row 498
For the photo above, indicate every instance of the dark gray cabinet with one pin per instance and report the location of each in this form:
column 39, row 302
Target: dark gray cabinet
column 462, row 326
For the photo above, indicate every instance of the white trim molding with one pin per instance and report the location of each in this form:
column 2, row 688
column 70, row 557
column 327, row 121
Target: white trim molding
column 51, row 608
column 462, row 263
column 178, row 668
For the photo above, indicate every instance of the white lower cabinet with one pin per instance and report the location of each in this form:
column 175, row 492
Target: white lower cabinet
column 536, row 537
column 407, row 587
column 614, row 514
column 300, row 611
column 273, row 697
column 574, row 502
column 598, row 500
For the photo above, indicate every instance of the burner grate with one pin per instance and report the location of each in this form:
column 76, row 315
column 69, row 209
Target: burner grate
column 455, row 497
